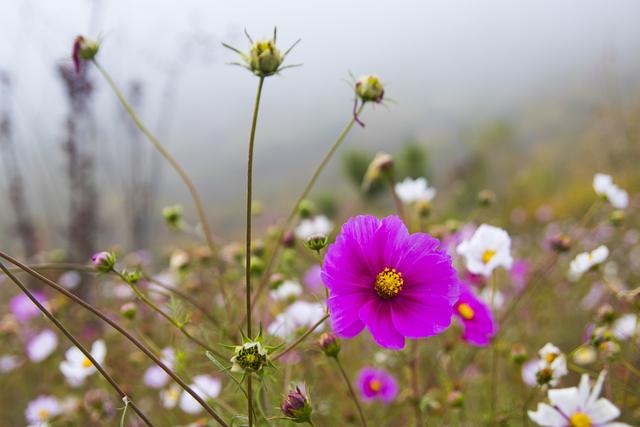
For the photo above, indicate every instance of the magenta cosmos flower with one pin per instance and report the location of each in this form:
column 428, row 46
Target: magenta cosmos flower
column 377, row 384
column 396, row 284
column 476, row 318
column 24, row 309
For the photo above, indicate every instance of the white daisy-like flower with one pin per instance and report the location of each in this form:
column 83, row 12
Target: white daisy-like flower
column 487, row 249
column 316, row 226
column 579, row 406
column 77, row 367
column 585, row 261
column 415, row 190
column 626, row 326
column 287, row 289
column 41, row 410
column 604, row 187
column 206, row 387
column 8, row 363
column 170, row 396
column 552, row 365
column 42, row 345
column 300, row 314
column 529, row 371
column 155, row 376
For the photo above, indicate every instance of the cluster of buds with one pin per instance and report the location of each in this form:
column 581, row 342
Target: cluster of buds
column 296, row 406
column 103, row 261
column 264, row 59
column 84, row 49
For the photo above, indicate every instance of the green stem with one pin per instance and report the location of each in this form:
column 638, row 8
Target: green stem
column 121, row 330
column 252, row 138
column 75, row 342
column 352, row 392
column 168, row 157
column 271, row 263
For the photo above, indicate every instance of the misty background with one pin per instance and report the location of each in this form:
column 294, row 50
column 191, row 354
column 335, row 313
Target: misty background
column 449, row 68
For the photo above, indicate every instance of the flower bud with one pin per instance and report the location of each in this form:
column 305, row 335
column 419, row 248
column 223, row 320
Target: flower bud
column 605, row 314
column 129, row 310
column 329, row 344
column 249, row 357
column 455, row 399
column 256, row 265
column 369, row 89
column 560, row 243
column 296, row 406
column 173, row 216
column 381, row 165
column 132, row 277
column 317, row 242
column 276, row 280
column 486, row 198
column 264, row 57
column 423, row 207
column 289, row 239
column 83, row 50
column 179, row 261
column 103, row 261
column 306, row 209
column 616, row 218
column 519, row 354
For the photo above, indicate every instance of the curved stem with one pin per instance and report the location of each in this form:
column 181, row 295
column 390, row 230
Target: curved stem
column 299, row 340
column 252, row 138
column 121, row 330
column 168, row 157
column 77, row 343
column 354, row 397
column 271, row 263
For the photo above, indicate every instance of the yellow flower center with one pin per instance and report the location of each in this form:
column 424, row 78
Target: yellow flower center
column 488, row 255
column 86, row 363
column 551, row 357
column 466, row 311
column 389, row 283
column 579, row 419
column 43, row 414
column 375, row 385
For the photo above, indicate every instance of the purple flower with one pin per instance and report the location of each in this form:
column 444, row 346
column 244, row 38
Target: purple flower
column 396, row 284
column 22, row 307
column 377, row 384
column 476, row 318
column 519, row 274
column 313, row 278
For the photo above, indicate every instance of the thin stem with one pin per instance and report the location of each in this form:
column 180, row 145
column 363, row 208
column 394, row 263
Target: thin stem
column 252, row 137
column 302, row 337
column 352, row 392
column 276, row 250
column 121, row 330
column 142, row 297
column 396, row 199
column 168, row 157
column 414, row 383
column 77, row 343
column 494, row 355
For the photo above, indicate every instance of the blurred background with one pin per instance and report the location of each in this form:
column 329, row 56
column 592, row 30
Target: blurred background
column 493, row 94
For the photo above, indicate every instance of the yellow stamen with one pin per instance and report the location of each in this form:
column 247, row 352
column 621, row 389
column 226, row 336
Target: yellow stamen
column 466, row 311
column 375, row 385
column 551, row 357
column 86, row 363
column 579, row 419
column 43, row 414
column 488, row 255
column 389, row 283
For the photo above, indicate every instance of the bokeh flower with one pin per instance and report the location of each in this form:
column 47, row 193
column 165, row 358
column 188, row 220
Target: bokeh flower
column 155, row 376
column 313, row 278
column 23, row 308
column 585, row 261
column 476, row 318
column 579, row 406
column 626, row 326
column 286, row 290
column 206, row 387
column 552, row 365
column 396, row 284
column 77, row 367
column 604, row 187
column 415, row 190
column 41, row 410
column 319, row 225
column 42, row 345
column 297, row 316
column 487, row 249
column 377, row 384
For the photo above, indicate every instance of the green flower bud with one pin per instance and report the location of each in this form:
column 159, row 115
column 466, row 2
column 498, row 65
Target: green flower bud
column 256, row 265
column 84, row 49
column 306, row 209
column 296, row 406
column 423, row 207
column 173, row 216
column 317, row 242
column 519, row 354
column 486, row 198
column 369, row 89
column 104, row 261
column 129, row 310
column 329, row 344
column 382, row 164
column 616, row 218
column 455, row 399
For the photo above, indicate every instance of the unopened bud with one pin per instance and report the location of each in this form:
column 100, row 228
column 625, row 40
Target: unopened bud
column 455, row 399
column 296, row 406
column 486, row 198
column 256, row 265
column 519, row 354
column 84, row 49
column 381, row 164
column 317, row 242
column 103, row 261
column 129, row 310
column 173, row 216
column 561, row 243
column 616, row 218
column 329, row 344
column 306, row 209
column 369, row 89
column 605, row 314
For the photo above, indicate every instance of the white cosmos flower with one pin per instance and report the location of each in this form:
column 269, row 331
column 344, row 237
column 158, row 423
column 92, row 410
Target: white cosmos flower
column 316, row 226
column 42, row 345
column 585, row 261
column 77, row 367
column 626, row 326
column 415, row 190
column 206, row 387
column 41, row 410
column 577, row 407
column 552, row 365
column 604, row 187
column 488, row 248
column 287, row 289
column 170, row 396
column 300, row 314
column 155, row 376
